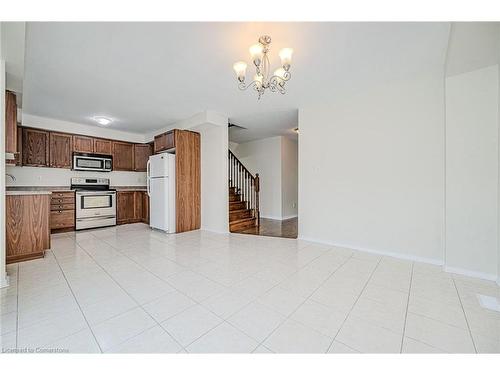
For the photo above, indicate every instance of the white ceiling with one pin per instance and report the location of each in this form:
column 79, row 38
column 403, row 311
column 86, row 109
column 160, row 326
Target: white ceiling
column 149, row 75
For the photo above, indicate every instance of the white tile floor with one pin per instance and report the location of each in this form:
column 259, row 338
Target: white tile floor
column 129, row 289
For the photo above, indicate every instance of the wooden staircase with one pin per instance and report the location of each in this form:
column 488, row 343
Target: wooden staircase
column 243, row 196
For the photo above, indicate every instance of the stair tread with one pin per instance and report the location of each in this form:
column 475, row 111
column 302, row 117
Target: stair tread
column 240, row 210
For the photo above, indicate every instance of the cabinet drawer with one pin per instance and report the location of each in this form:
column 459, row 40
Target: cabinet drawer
column 63, row 200
column 63, row 194
column 62, row 219
column 62, row 206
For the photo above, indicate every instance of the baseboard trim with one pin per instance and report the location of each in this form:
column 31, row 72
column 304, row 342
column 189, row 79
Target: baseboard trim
column 464, row 272
column 5, row 282
column 413, row 258
column 278, row 217
column 437, row 262
column 216, row 230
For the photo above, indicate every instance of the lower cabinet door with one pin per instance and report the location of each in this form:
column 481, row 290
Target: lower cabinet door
column 125, row 207
column 62, row 219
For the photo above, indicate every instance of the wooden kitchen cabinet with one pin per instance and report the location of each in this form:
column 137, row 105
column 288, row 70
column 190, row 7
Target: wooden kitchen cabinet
column 61, row 147
column 145, row 207
column 102, row 146
column 187, row 181
column 123, row 156
column 132, row 207
column 142, row 152
column 19, row 155
column 35, row 147
column 10, row 122
column 165, row 141
column 27, row 226
column 125, row 207
column 82, row 143
column 62, row 211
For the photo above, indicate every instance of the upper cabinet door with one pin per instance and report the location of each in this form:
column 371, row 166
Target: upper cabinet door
column 35, row 147
column 164, row 141
column 83, row 144
column 102, row 146
column 10, row 122
column 61, row 147
column 142, row 152
column 123, row 156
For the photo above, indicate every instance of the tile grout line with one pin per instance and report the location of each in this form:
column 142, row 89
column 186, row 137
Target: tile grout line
column 354, row 304
column 223, row 320
column 306, row 299
column 261, row 343
column 465, row 315
column 122, row 288
column 78, row 303
column 17, row 305
column 407, row 306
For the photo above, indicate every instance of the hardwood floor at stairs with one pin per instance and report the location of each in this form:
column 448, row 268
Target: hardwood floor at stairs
column 274, row 228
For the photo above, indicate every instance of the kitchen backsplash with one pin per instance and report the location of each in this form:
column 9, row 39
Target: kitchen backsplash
column 31, row 176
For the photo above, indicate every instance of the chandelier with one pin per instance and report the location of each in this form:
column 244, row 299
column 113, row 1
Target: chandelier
column 262, row 79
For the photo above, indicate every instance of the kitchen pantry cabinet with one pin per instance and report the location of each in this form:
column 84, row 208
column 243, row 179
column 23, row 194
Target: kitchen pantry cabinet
column 61, row 149
column 35, row 147
column 123, row 156
column 142, row 152
column 187, row 181
column 10, row 122
column 82, row 143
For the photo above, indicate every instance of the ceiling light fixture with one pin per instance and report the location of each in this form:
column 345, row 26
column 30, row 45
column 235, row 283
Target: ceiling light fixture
column 104, row 121
column 262, row 80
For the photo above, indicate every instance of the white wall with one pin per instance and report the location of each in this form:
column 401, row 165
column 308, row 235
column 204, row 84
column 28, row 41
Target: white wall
column 289, row 177
column 264, row 157
column 214, row 188
column 3, row 273
column 371, row 170
column 472, row 172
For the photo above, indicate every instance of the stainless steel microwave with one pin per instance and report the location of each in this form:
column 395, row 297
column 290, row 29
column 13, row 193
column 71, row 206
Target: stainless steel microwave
column 92, row 162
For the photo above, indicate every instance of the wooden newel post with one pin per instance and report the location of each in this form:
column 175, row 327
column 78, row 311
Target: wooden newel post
column 257, row 189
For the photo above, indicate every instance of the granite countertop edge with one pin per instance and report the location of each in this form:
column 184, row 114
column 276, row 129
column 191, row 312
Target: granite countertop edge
column 10, row 190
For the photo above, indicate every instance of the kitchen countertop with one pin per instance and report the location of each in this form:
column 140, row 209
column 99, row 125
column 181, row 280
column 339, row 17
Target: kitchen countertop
column 48, row 189
column 28, row 192
column 129, row 188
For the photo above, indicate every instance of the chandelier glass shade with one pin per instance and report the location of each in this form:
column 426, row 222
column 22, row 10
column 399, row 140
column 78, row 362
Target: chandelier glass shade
column 263, row 79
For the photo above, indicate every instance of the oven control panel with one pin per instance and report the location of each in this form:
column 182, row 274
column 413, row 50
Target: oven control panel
column 89, row 181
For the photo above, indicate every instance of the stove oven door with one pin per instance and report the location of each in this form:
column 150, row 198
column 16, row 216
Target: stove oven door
column 95, row 203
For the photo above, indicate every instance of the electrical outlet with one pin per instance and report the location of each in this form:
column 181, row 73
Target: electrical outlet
column 294, row 205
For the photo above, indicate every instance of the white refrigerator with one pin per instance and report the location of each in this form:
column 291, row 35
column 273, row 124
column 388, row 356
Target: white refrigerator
column 161, row 191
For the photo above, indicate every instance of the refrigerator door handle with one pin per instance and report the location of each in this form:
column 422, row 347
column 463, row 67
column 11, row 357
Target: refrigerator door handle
column 148, row 177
